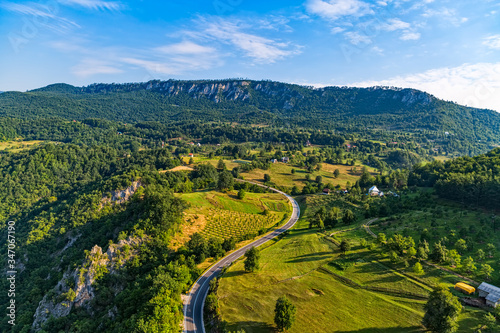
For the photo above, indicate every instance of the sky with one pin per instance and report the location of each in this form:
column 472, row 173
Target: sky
column 450, row 49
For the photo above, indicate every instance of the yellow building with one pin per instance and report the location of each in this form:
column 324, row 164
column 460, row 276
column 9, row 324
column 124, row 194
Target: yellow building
column 465, row 288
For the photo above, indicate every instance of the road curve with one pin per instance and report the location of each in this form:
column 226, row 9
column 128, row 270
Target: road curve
column 193, row 306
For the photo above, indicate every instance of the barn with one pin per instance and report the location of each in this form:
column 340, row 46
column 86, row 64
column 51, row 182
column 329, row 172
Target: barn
column 490, row 293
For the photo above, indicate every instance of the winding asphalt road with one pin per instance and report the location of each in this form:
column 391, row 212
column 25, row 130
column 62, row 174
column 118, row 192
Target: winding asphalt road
column 193, row 306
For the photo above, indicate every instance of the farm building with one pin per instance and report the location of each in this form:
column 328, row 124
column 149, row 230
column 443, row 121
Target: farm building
column 274, row 160
column 465, row 288
column 191, row 155
column 285, row 159
column 373, row 191
column 490, row 293
column 326, row 191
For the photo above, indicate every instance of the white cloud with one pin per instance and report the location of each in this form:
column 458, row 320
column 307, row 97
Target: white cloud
column 94, row 4
column 492, row 42
column 154, row 67
column 334, row 9
column 186, row 47
column 377, row 50
column 356, row 38
column 88, row 67
column 395, row 24
column 446, row 15
column 230, row 32
column 476, row 85
column 337, row 30
column 46, row 15
column 410, row 35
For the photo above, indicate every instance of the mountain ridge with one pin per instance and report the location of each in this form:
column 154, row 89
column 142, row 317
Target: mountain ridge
column 257, row 102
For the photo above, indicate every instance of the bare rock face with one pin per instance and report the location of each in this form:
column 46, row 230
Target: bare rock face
column 76, row 288
column 120, row 196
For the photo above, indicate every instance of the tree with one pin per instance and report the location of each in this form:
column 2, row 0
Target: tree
column 284, row 313
column 491, row 322
column 486, row 271
column 293, row 171
column 490, row 249
column 348, row 217
column 251, row 260
column 241, row 194
column 421, row 254
column 267, row 178
column 191, row 161
column 381, row 238
column 441, row 311
column 454, row 258
column 438, row 253
column 418, row 269
column 226, row 181
column 461, row 245
column 221, row 165
column 480, row 255
column 411, row 252
column 319, row 179
column 469, row 265
column 345, row 245
column 336, row 173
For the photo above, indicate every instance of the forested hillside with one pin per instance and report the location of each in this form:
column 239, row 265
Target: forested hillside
column 342, row 109
column 468, row 180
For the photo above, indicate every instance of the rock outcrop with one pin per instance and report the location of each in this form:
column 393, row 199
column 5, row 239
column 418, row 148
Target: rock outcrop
column 76, row 288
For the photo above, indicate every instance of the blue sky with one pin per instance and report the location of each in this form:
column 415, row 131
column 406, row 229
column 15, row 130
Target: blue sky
column 448, row 48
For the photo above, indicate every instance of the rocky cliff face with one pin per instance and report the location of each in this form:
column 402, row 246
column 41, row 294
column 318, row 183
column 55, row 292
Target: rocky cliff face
column 76, row 288
column 120, row 196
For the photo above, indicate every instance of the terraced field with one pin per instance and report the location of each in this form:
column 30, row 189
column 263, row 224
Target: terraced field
column 223, row 215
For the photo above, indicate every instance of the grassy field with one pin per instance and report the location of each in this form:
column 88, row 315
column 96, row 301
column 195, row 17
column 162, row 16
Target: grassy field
column 306, row 267
column 15, row 146
column 223, row 215
column 324, row 304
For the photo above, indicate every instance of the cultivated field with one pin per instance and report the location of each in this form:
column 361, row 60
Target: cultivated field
column 223, row 215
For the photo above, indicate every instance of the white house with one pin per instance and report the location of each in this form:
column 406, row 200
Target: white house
column 373, row 191
column 490, row 293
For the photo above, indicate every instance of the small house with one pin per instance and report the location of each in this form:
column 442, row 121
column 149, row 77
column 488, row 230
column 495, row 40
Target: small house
column 490, row 293
column 285, row 159
column 465, row 288
column 326, row 191
column 191, row 155
column 274, row 160
column 373, row 191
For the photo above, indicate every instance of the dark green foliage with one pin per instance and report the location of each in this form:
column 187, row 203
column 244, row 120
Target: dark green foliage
column 468, row 180
column 441, row 311
column 226, row 181
column 345, row 245
column 284, row 314
column 252, row 260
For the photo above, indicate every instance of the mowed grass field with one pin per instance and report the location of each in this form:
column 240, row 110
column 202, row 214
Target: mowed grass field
column 223, row 215
column 297, row 266
column 15, row 146
column 281, row 174
column 289, row 267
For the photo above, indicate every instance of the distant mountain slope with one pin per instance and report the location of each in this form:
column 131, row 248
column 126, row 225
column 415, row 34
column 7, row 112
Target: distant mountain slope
column 246, row 101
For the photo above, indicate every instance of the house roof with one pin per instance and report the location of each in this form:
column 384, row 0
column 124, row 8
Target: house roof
column 493, row 297
column 489, row 288
column 373, row 189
